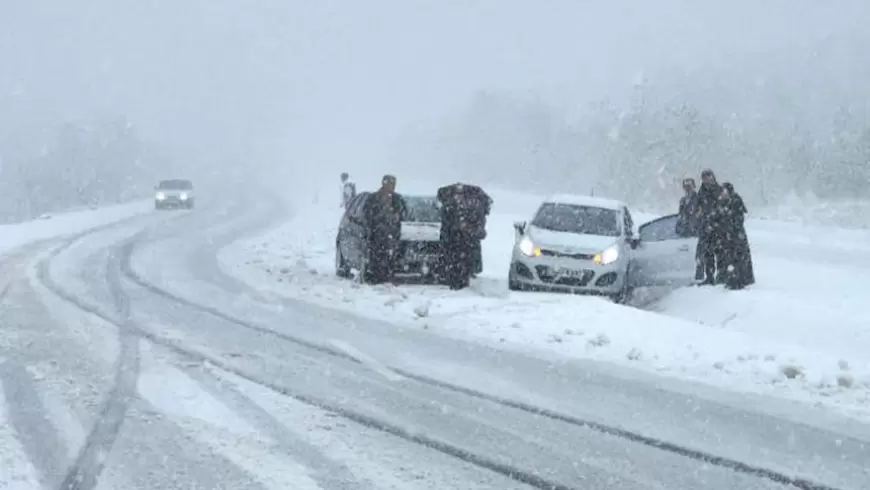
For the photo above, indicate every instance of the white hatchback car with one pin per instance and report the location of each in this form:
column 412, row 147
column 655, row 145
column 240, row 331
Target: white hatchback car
column 587, row 245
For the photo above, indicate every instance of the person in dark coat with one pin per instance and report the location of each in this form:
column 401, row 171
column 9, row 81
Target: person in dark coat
column 687, row 220
column 463, row 226
column 384, row 211
column 736, row 266
column 708, row 226
column 477, row 251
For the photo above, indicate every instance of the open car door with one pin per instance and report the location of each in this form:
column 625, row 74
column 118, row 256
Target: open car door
column 662, row 256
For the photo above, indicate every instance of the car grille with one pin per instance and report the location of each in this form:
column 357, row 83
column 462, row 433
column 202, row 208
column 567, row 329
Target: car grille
column 421, row 248
column 550, row 276
column 553, row 253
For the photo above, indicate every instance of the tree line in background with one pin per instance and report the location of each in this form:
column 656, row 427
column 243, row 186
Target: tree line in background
column 50, row 169
column 639, row 151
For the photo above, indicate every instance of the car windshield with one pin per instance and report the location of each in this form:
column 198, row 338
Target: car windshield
column 175, row 184
column 571, row 218
column 422, row 210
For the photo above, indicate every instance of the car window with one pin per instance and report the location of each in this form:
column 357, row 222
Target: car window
column 422, row 210
column 572, row 218
column 660, row 230
column 177, row 184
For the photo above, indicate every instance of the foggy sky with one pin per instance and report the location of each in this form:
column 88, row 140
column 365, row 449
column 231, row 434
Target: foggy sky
column 329, row 80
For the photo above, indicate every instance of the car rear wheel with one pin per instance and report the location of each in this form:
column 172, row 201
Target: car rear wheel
column 341, row 268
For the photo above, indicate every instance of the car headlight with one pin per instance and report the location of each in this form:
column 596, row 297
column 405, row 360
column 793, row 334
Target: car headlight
column 607, row 256
column 528, row 248
column 160, row 196
column 183, row 196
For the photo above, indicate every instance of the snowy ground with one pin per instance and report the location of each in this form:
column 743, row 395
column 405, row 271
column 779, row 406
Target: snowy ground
column 16, row 470
column 797, row 334
column 60, row 224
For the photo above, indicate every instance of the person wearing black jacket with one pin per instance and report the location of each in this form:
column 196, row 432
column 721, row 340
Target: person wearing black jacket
column 384, row 211
column 709, row 241
column 736, row 263
column 687, row 221
column 463, row 226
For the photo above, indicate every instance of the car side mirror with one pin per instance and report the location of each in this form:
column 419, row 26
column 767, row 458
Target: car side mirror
column 520, row 227
column 633, row 242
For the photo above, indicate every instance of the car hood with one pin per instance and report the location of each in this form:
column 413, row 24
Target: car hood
column 417, row 231
column 570, row 243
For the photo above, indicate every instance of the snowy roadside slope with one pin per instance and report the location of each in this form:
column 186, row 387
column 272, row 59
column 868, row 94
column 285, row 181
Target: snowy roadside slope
column 812, row 290
column 695, row 338
column 60, row 224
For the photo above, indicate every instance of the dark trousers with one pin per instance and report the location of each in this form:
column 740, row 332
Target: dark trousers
column 707, row 259
column 459, row 263
column 477, row 257
column 382, row 259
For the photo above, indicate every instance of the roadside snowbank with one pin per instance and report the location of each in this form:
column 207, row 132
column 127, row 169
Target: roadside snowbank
column 60, row 224
column 769, row 339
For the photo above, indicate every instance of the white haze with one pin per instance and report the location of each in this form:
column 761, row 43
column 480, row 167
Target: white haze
column 307, row 89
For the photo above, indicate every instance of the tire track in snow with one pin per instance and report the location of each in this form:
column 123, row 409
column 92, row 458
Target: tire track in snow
column 36, row 434
column 89, row 463
column 86, row 469
column 327, row 472
column 466, row 456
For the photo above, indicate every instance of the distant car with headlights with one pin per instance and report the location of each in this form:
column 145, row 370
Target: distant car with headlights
column 174, row 194
column 587, row 245
column 419, row 248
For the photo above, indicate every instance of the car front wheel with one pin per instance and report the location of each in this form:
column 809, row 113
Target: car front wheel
column 513, row 284
column 624, row 296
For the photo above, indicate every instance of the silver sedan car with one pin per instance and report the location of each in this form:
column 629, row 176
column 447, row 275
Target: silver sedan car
column 587, row 245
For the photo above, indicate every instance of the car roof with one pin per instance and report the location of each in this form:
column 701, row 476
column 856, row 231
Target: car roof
column 590, row 201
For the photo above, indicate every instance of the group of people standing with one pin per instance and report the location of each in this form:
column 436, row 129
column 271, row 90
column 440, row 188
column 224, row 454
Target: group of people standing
column 463, row 210
column 715, row 214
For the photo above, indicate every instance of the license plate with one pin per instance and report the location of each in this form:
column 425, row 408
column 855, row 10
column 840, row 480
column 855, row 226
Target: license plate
column 569, row 272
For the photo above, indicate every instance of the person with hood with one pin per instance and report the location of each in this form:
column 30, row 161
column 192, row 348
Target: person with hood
column 708, row 230
column 687, row 221
column 736, row 265
column 463, row 226
column 348, row 190
column 384, row 211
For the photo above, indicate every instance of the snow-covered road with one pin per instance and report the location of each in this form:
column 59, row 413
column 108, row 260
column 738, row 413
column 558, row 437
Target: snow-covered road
column 131, row 360
column 800, row 334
